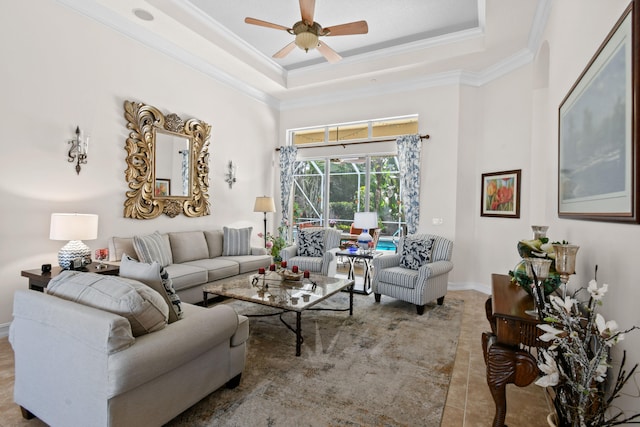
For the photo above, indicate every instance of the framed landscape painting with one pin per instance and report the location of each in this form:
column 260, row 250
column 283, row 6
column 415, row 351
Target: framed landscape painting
column 598, row 132
column 501, row 194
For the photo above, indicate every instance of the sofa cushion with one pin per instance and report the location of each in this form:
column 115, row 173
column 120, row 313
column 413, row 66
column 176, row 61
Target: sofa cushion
column 156, row 277
column 188, row 246
column 153, row 247
column 415, row 252
column 311, row 243
column 400, row 276
column 119, row 246
column 186, row 276
column 216, row 268
column 249, row 263
column 237, row 241
column 214, row 242
column 145, row 308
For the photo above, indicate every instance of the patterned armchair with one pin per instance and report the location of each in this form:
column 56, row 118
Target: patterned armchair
column 418, row 273
column 315, row 250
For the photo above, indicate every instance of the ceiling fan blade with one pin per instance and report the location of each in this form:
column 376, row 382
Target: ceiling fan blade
column 329, row 54
column 358, row 27
column 285, row 50
column 307, row 8
column 261, row 23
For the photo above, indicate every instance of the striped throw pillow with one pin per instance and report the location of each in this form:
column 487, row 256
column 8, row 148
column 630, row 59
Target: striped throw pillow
column 236, row 241
column 154, row 247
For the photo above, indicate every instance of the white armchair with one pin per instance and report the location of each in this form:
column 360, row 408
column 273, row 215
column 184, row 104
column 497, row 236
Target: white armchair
column 315, row 250
column 418, row 273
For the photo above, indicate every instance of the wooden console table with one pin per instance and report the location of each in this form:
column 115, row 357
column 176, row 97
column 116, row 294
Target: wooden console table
column 505, row 348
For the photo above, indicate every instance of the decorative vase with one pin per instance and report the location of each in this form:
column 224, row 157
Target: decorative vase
column 539, row 231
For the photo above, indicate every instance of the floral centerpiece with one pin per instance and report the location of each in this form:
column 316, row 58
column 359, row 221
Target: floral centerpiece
column 539, row 247
column 575, row 363
column 275, row 243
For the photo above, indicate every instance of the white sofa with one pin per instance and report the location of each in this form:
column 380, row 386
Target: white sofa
column 80, row 366
column 196, row 259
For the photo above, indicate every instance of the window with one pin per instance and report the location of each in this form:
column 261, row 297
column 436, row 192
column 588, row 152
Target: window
column 369, row 130
column 367, row 183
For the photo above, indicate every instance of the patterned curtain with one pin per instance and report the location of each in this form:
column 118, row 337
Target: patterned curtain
column 287, row 163
column 409, row 162
column 185, row 171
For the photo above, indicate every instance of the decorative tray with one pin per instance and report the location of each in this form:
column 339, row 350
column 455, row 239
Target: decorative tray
column 290, row 275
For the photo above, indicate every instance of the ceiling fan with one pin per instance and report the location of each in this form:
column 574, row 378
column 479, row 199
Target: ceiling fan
column 308, row 32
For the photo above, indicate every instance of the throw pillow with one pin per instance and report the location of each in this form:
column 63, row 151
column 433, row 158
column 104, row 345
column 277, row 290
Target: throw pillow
column 311, row 243
column 236, row 241
column 153, row 247
column 415, row 253
column 143, row 307
column 157, row 278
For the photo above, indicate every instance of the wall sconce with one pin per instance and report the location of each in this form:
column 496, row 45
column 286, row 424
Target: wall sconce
column 79, row 149
column 230, row 176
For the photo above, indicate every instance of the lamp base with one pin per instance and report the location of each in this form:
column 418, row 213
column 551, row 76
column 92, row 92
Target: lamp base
column 72, row 250
column 363, row 240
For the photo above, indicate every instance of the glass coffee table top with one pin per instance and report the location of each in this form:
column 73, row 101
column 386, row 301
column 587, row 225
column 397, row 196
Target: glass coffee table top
column 269, row 289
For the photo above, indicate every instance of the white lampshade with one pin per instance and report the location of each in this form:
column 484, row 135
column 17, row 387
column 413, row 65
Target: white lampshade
column 75, row 228
column 365, row 221
column 264, row 204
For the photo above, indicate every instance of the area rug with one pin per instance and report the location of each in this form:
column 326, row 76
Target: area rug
column 383, row 366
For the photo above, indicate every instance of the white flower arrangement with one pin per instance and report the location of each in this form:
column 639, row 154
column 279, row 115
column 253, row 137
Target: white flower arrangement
column 576, row 361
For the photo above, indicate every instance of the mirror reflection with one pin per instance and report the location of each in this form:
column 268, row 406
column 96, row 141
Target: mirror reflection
column 172, row 165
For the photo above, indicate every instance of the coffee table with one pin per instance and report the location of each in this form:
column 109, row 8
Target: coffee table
column 269, row 290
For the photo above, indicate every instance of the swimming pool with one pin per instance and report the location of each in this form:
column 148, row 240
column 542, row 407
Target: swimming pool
column 385, row 245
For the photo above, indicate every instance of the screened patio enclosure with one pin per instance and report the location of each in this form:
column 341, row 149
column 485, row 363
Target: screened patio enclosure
column 328, row 191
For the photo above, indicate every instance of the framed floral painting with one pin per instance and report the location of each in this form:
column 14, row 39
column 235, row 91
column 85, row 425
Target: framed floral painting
column 501, row 194
column 163, row 187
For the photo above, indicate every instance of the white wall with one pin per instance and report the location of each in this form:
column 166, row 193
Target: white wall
column 575, row 30
column 60, row 69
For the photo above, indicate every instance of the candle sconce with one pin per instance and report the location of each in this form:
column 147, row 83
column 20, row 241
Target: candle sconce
column 230, row 176
column 565, row 263
column 79, row 150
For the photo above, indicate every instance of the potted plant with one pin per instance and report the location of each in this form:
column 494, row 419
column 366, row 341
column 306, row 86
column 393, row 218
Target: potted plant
column 575, row 361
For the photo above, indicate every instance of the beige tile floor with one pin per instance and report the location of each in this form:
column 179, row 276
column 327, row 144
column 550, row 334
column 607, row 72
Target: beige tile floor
column 469, row 402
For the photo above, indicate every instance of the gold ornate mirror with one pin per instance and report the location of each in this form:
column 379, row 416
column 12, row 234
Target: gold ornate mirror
column 167, row 164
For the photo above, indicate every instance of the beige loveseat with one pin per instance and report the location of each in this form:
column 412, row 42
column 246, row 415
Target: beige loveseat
column 76, row 365
column 197, row 257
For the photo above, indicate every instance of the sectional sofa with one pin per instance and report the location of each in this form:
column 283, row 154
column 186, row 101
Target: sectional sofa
column 195, row 258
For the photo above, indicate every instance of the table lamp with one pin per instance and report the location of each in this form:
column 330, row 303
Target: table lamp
column 264, row 204
column 365, row 221
column 73, row 227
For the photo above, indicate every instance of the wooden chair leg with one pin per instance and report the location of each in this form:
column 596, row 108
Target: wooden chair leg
column 377, row 297
column 26, row 414
column 420, row 309
column 440, row 300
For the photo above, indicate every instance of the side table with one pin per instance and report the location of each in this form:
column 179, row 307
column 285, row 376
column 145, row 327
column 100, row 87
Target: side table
column 39, row 280
column 366, row 257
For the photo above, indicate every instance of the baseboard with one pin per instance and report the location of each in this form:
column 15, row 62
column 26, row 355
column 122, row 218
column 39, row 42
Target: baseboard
column 4, row 330
column 480, row 287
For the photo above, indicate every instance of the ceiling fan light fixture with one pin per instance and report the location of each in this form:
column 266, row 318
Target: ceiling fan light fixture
column 306, row 40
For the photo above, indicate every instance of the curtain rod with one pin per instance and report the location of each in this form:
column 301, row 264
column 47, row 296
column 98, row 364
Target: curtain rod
column 343, row 145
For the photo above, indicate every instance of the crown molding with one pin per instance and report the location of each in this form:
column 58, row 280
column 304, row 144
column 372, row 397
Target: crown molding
column 101, row 14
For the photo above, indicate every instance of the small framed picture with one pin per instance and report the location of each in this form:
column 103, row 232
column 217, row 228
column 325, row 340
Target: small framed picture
column 163, row 187
column 501, row 194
